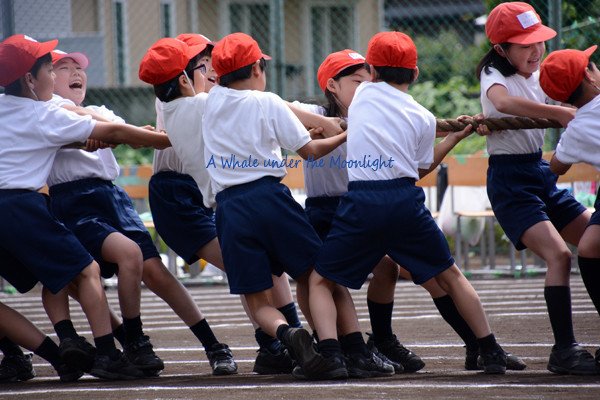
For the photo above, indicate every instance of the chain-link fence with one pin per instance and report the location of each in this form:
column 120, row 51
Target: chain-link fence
column 298, row 34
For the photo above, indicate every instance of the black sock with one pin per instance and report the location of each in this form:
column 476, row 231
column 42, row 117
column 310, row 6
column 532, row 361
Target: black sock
column 291, row 315
column 119, row 334
column 381, row 320
column 353, row 343
column 9, row 348
column 329, row 347
column 204, row 334
column 267, row 342
column 105, row 345
column 48, row 350
column 65, row 330
column 449, row 312
column 281, row 331
column 558, row 301
column 132, row 328
column 590, row 274
column 487, row 344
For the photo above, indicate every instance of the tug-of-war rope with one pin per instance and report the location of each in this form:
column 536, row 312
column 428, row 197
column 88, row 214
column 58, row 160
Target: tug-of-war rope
column 496, row 124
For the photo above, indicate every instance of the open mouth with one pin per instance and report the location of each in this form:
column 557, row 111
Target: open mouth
column 76, row 85
column 212, row 80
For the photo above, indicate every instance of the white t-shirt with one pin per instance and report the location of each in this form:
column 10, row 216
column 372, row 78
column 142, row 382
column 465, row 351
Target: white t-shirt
column 320, row 179
column 518, row 141
column 390, row 135
column 166, row 159
column 183, row 123
column 244, row 131
column 30, row 135
column 73, row 164
column 580, row 142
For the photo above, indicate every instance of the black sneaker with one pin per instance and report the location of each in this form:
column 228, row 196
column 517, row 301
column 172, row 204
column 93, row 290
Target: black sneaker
column 301, row 346
column 117, row 367
column 598, row 357
column 398, row 368
column 494, row 362
column 573, row 360
column 329, row 368
column 15, row 368
column 141, row 354
column 474, row 362
column 367, row 366
column 221, row 360
column 77, row 353
column 396, row 352
column 268, row 363
column 68, row 374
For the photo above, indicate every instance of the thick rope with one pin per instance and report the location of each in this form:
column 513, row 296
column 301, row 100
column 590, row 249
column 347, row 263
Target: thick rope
column 497, row 124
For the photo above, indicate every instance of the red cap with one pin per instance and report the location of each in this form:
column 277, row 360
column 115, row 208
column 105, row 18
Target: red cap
column 392, row 49
column 518, row 23
column 79, row 58
column 235, row 51
column 563, row 71
column 195, row 39
column 166, row 59
column 18, row 53
column 336, row 63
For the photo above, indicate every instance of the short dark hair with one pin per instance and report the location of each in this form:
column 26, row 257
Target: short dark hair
column 578, row 92
column 15, row 88
column 332, row 108
column 240, row 74
column 169, row 90
column 495, row 60
column 397, row 75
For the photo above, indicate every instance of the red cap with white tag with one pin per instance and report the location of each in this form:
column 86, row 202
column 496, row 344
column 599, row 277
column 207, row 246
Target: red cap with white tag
column 518, row 23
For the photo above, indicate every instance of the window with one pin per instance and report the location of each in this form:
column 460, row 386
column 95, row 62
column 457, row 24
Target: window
column 167, row 18
column 253, row 19
column 120, row 41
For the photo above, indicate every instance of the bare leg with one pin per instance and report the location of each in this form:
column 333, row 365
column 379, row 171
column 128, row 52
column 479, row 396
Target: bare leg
column 19, row 329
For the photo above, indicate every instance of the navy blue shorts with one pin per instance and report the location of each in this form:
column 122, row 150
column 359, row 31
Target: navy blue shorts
column 376, row 218
column 179, row 215
column 262, row 231
column 93, row 209
column 320, row 211
column 523, row 192
column 595, row 220
column 34, row 245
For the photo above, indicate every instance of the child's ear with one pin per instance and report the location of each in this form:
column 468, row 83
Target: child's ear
column 183, row 81
column 415, row 74
column 499, row 50
column 256, row 71
column 331, row 85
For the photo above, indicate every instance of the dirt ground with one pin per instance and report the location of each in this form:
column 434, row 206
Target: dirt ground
column 515, row 307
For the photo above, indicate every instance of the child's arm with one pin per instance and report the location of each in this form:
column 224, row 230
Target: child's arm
column 443, row 148
column 522, row 107
column 558, row 167
column 320, row 147
column 331, row 126
column 117, row 133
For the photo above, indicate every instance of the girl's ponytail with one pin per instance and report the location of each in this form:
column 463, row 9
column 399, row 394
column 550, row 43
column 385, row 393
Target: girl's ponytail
column 495, row 60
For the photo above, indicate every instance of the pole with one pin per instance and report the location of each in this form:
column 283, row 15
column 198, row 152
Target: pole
column 8, row 18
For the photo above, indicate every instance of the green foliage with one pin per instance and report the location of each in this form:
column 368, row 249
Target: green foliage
column 126, row 155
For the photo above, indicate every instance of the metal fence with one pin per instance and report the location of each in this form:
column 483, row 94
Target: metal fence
column 298, row 34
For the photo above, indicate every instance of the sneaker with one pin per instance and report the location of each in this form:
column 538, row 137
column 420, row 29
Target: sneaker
column 329, row 368
column 301, row 346
column 494, row 362
column 117, row 367
column 141, row 354
column 367, row 366
column 573, row 360
column 77, row 353
column 598, row 357
column 68, row 374
column 221, row 360
column 474, row 362
column 396, row 352
column 398, row 368
column 15, row 368
column 268, row 363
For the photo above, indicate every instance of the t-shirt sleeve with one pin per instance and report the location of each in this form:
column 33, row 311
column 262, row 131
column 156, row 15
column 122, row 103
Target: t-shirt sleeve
column 568, row 148
column 60, row 127
column 491, row 79
column 106, row 113
column 289, row 131
column 424, row 154
column 313, row 108
column 158, row 107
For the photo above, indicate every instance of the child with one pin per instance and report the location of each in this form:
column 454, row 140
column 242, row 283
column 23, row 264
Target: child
column 383, row 211
column 15, row 365
column 521, row 188
column 176, row 201
column 33, row 132
column 339, row 75
column 568, row 76
column 261, row 229
column 84, row 199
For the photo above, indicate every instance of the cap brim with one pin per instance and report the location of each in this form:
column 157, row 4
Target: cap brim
column 196, row 49
column 590, row 50
column 79, row 58
column 266, row 57
column 541, row 34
